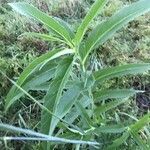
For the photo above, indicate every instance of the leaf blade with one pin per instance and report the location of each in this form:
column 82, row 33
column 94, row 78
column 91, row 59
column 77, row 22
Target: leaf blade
column 10, row 99
column 115, row 93
column 96, row 7
column 140, row 123
column 117, row 142
column 31, row 11
column 110, row 105
column 106, row 29
column 66, row 103
column 119, row 71
column 42, row 136
column 42, row 36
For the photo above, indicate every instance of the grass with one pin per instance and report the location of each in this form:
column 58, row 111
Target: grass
column 131, row 44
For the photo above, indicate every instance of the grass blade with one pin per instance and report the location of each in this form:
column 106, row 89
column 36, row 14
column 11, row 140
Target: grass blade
column 139, row 141
column 42, row 136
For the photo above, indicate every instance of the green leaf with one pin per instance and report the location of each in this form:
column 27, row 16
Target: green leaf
column 40, row 76
column 41, row 87
column 39, row 136
column 36, row 80
column 106, row 29
column 39, row 103
column 116, row 143
column 66, row 26
column 44, row 37
column 31, row 11
column 110, row 129
column 132, row 130
column 61, row 53
column 109, row 105
column 112, row 94
column 85, row 101
column 54, row 94
column 66, row 102
column 141, row 123
column 96, row 7
column 139, row 141
column 84, row 114
column 12, row 95
column 119, row 71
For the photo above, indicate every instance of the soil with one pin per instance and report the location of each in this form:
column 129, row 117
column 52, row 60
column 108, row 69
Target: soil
column 143, row 99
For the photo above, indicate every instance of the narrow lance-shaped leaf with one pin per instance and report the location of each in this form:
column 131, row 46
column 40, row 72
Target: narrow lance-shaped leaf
column 54, row 94
column 34, row 82
column 116, row 93
column 66, row 26
column 39, row 104
column 44, row 37
column 40, row 136
column 31, row 11
column 84, row 114
column 110, row 105
column 110, row 129
column 117, row 142
column 136, row 127
column 106, row 29
column 140, row 124
column 66, row 102
column 85, row 101
column 119, row 71
column 61, row 53
column 133, row 130
column 12, row 95
column 40, row 76
column 96, row 7
column 42, row 87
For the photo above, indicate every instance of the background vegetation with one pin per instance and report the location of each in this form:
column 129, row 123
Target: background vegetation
column 130, row 45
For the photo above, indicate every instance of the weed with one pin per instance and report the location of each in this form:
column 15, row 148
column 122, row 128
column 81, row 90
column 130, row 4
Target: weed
column 77, row 105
